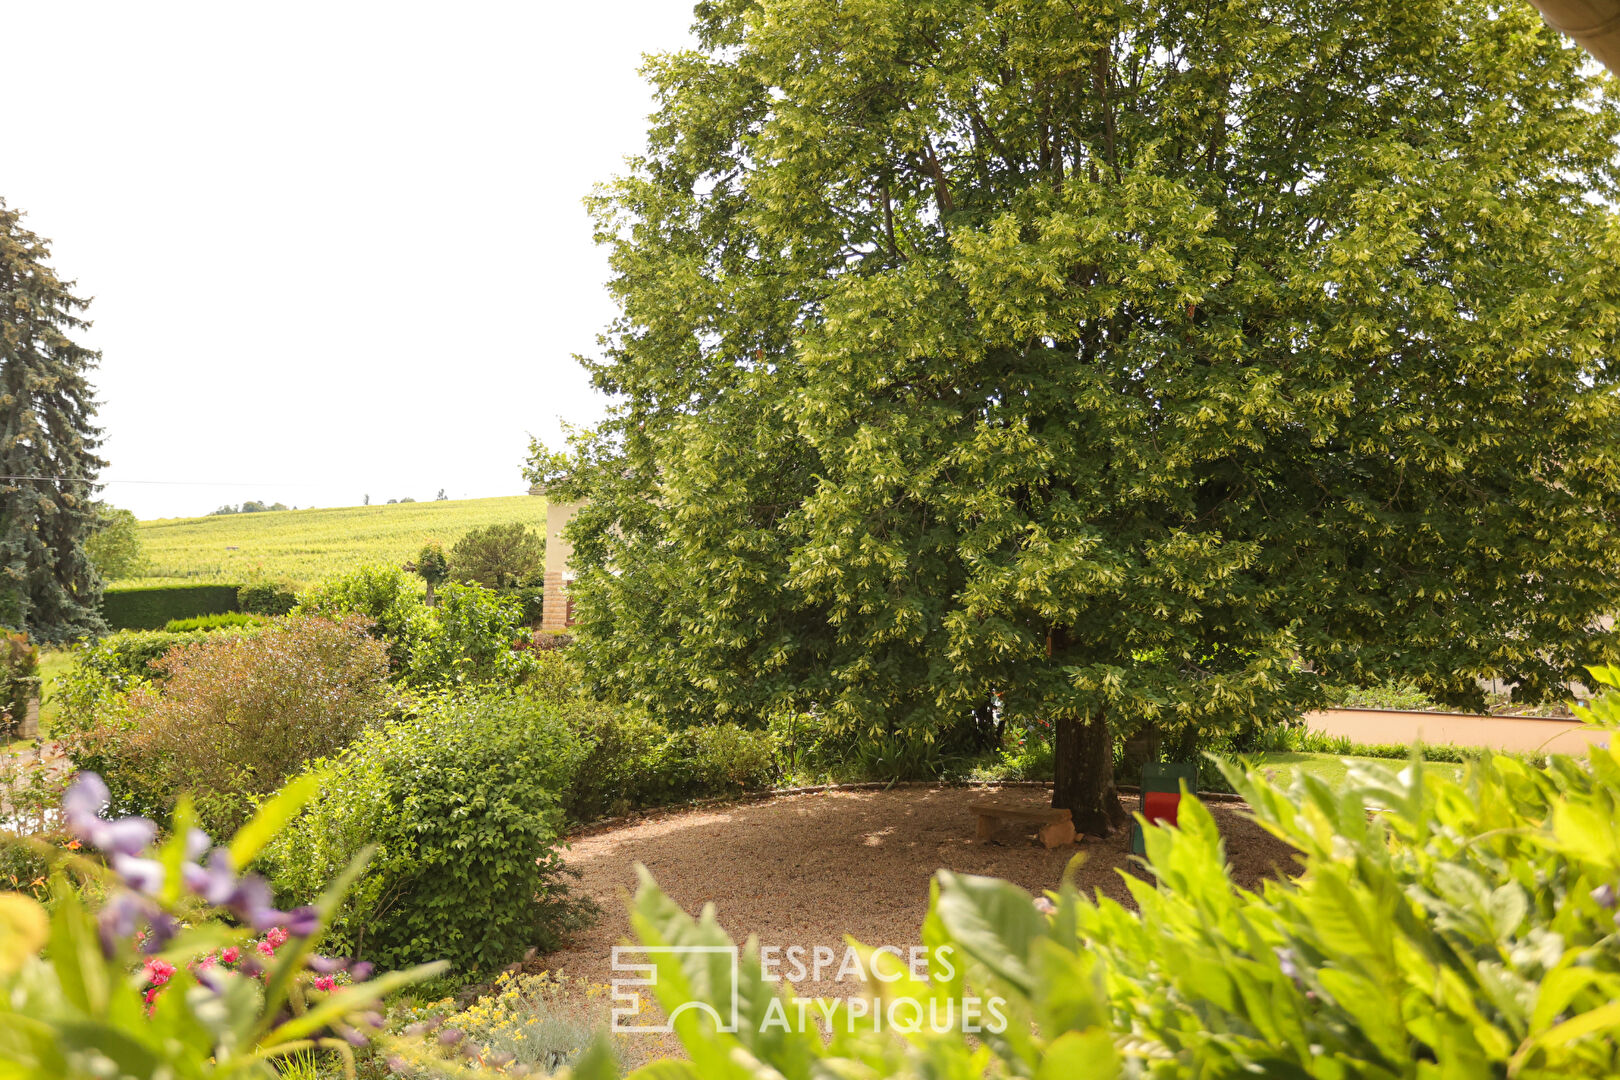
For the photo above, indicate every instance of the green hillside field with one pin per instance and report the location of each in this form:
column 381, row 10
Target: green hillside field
column 301, row 547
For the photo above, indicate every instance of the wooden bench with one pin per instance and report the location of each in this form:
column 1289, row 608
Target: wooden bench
column 1056, row 826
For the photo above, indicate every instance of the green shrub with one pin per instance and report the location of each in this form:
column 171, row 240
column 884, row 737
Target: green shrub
column 386, row 595
column 553, row 675
column 266, row 598
column 229, row 621
column 19, row 677
column 1391, row 695
column 1466, row 928
column 531, row 602
column 469, row 640
column 461, row 798
column 227, row 717
column 633, row 762
column 149, row 609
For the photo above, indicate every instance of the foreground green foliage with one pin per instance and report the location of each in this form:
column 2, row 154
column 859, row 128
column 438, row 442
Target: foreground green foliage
column 1464, row 928
column 1107, row 357
column 119, row 991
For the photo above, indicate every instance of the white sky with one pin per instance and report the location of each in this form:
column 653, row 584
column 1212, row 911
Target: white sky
column 337, row 248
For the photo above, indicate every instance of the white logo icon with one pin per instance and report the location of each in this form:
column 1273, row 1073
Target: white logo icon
column 627, row 1000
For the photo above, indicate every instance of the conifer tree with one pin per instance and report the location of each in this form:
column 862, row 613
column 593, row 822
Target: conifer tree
column 48, row 464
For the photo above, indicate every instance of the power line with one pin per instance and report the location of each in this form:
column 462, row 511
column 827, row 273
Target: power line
column 173, row 483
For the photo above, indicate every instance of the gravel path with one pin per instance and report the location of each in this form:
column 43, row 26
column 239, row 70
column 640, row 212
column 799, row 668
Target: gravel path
column 806, row 870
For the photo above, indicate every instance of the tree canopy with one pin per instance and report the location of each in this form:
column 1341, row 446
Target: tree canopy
column 1117, row 363
column 115, row 547
column 48, row 463
column 497, row 556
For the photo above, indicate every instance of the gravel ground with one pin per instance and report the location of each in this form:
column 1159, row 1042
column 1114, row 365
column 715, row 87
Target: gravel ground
column 807, row 870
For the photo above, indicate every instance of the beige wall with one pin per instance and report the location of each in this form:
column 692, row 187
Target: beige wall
column 1522, row 733
column 559, row 554
column 558, row 550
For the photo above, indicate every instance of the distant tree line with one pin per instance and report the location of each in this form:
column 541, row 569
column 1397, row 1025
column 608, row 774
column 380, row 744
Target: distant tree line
column 252, row 506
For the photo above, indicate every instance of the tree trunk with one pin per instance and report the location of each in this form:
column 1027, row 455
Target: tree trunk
column 1083, row 774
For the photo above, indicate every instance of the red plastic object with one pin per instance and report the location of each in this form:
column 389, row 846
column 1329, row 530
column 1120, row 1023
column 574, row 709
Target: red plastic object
column 1161, row 806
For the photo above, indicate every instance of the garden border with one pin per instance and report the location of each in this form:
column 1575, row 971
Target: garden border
column 591, row 828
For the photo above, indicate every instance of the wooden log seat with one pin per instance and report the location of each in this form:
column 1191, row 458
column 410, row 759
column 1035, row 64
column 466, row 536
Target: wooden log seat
column 1055, row 826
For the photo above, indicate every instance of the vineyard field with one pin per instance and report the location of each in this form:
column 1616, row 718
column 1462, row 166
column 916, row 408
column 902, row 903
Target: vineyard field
column 301, row 547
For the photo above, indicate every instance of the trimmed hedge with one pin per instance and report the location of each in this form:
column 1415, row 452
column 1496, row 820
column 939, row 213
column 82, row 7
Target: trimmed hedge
column 152, row 609
column 266, row 598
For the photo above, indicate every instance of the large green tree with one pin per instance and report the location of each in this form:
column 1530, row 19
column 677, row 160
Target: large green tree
column 48, row 462
column 1125, row 363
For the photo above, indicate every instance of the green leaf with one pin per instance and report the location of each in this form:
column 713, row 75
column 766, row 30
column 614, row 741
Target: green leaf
column 272, row 816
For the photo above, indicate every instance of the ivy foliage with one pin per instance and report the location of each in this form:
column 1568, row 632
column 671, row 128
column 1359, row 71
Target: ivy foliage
column 1109, row 357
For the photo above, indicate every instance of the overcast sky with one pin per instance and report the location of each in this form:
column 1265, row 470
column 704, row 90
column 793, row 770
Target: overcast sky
column 336, row 249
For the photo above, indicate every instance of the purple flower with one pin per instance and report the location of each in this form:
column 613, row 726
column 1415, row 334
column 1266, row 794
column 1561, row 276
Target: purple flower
column 302, row 921
column 142, row 875
column 361, row 971
column 1605, row 896
column 164, row 929
column 217, row 884
column 1285, row 961
column 126, row 836
column 449, row 1036
column 86, row 798
column 324, row 965
column 117, row 921
column 197, row 844
column 81, row 807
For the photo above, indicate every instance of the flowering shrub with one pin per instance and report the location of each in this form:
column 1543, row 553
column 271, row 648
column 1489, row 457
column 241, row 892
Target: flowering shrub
column 164, row 980
column 460, row 800
column 542, row 1022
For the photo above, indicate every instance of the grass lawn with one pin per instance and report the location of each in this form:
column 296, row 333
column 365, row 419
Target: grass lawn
column 1332, row 768
column 52, row 662
column 302, row 547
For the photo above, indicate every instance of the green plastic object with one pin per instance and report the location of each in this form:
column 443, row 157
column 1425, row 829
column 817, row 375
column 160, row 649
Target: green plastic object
column 1162, row 776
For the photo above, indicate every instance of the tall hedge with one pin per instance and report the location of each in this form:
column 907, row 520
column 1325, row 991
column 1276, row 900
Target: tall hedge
column 151, row 609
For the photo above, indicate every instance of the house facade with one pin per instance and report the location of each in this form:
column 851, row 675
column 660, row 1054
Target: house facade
column 557, row 609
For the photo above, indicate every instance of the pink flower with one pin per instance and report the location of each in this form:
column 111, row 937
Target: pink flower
column 151, row 995
column 158, row 971
column 266, row 949
column 324, row 982
column 277, row 937
column 231, row 955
